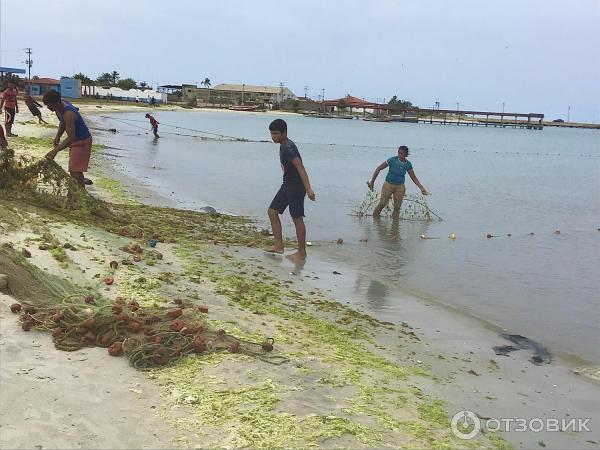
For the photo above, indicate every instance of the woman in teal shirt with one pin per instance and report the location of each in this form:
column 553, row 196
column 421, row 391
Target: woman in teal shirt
column 394, row 186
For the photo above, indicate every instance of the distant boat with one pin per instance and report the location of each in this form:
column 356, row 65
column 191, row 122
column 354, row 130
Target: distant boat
column 327, row 116
column 405, row 119
column 378, row 119
column 244, row 107
column 319, row 115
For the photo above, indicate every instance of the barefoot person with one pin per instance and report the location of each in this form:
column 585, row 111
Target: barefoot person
column 291, row 193
column 34, row 107
column 79, row 138
column 11, row 107
column 153, row 124
column 394, row 186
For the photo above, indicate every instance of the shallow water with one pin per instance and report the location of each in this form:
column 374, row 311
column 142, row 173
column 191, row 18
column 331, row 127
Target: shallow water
column 483, row 180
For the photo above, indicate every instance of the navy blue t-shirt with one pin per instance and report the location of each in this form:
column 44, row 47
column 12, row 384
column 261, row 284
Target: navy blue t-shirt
column 287, row 153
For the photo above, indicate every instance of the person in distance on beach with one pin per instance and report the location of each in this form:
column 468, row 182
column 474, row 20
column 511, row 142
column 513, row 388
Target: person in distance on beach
column 153, row 124
column 291, row 193
column 34, row 107
column 11, row 107
column 394, row 186
column 79, row 138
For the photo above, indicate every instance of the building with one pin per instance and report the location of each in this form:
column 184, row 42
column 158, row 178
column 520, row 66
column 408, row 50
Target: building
column 67, row 87
column 70, row 88
column 39, row 86
column 238, row 94
column 350, row 105
column 129, row 95
column 9, row 71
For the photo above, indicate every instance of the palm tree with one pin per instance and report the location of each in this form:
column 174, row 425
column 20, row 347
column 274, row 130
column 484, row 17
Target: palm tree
column 206, row 84
column 115, row 76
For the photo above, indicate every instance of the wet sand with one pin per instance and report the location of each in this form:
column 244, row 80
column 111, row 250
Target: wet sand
column 46, row 394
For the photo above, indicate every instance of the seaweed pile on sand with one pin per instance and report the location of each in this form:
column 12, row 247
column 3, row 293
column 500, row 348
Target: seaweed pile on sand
column 148, row 335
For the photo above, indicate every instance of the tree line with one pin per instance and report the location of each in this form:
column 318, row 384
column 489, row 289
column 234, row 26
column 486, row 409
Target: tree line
column 113, row 79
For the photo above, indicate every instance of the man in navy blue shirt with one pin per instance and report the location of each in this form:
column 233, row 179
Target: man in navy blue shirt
column 291, row 193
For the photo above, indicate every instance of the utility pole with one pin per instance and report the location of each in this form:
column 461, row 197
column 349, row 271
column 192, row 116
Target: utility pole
column 29, row 62
column 306, row 92
column 457, row 106
column 502, row 106
column 569, row 114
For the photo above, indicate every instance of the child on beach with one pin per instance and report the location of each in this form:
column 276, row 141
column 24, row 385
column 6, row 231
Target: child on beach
column 394, row 181
column 34, row 107
column 79, row 138
column 153, row 124
column 291, row 193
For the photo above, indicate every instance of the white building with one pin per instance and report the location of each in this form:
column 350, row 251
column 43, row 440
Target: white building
column 130, row 95
column 252, row 93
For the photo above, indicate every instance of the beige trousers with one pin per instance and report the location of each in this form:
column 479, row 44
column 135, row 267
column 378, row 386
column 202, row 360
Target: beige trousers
column 388, row 190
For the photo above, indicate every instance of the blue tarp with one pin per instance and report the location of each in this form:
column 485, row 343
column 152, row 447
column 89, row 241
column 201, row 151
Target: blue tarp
column 11, row 70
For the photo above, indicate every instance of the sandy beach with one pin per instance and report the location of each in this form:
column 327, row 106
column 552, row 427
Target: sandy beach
column 336, row 378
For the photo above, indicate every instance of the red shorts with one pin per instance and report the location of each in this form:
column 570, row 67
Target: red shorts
column 79, row 155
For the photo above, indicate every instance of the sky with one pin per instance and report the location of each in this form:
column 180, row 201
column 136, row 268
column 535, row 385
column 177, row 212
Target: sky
column 532, row 55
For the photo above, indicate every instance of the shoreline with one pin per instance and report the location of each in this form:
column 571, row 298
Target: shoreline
column 139, row 188
column 425, row 371
column 452, row 322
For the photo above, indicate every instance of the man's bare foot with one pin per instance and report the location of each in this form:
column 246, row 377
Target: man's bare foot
column 297, row 256
column 274, row 249
column 12, row 135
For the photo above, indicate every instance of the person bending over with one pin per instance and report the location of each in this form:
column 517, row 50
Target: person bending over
column 79, row 138
column 153, row 124
column 34, row 107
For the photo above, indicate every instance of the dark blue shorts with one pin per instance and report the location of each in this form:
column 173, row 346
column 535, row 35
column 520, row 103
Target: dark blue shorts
column 291, row 195
column 9, row 115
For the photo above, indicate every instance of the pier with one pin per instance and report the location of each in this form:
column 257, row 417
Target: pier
column 530, row 121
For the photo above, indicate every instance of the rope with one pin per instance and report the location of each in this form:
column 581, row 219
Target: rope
column 217, row 135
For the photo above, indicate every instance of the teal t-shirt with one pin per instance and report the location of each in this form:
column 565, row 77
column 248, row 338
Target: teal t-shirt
column 397, row 170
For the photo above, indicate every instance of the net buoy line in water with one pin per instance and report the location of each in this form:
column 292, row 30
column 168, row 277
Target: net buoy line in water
column 224, row 137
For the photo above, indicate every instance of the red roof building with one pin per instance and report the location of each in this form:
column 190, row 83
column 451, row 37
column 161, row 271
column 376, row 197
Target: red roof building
column 351, row 102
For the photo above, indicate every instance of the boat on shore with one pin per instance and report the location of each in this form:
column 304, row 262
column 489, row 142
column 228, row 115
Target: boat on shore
column 327, row 116
column 378, row 119
column 406, row 119
column 244, row 107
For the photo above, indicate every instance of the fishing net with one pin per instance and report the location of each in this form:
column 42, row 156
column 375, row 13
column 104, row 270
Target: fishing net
column 414, row 207
column 147, row 336
column 44, row 182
